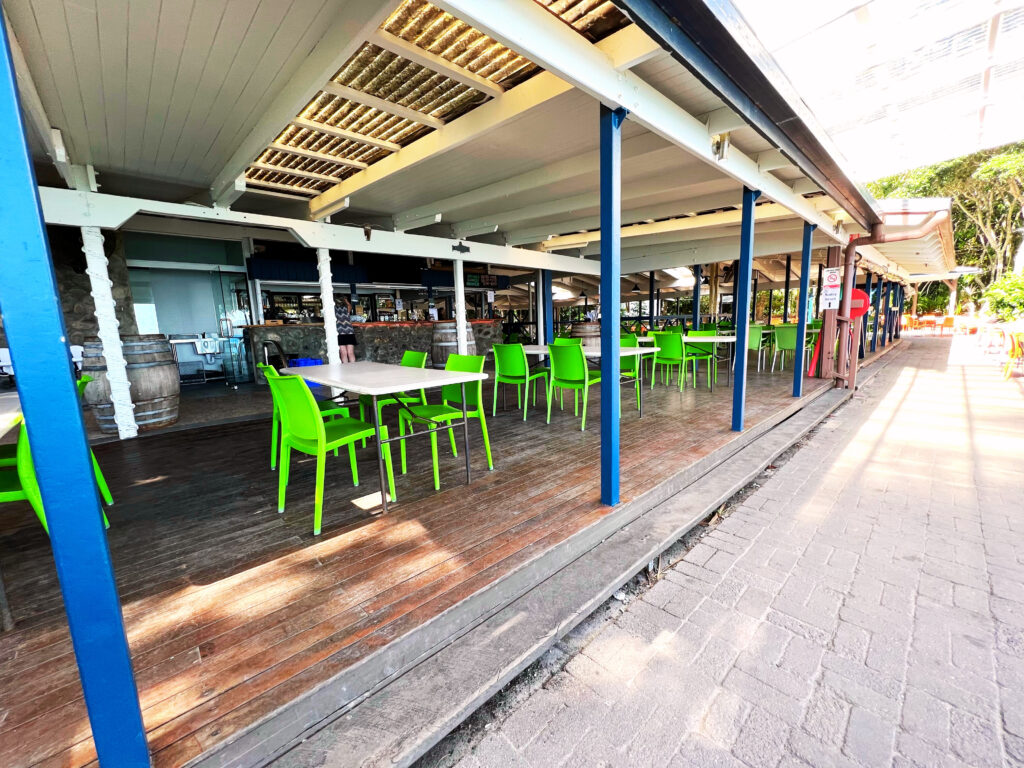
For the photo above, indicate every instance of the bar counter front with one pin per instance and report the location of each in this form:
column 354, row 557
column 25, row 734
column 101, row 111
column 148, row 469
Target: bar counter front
column 379, row 342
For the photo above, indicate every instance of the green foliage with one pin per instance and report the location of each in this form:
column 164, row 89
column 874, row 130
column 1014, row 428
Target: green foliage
column 987, row 189
column 1005, row 297
column 932, row 297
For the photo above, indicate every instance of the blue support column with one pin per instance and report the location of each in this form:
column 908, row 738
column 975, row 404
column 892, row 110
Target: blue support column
column 36, row 336
column 864, row 325
column 801, row 312
column 900, row 298
column 549, row 307
column 739, row 389
column 877, row 308
column 611, row 268
column 695, row 312
column 885, row 310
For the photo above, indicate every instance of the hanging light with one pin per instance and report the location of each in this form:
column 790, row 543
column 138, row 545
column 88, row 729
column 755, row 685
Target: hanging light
column 635, row 288
column 583, row 294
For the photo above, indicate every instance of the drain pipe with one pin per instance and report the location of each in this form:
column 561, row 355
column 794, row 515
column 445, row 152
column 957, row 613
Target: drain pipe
column 844, row 377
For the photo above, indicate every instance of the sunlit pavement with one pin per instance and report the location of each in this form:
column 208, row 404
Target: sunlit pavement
column 864, row 607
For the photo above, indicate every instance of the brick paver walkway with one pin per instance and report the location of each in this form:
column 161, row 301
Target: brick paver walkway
column 864, row 607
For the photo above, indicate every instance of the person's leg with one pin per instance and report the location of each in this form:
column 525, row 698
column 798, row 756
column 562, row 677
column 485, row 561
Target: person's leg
column 348, row 353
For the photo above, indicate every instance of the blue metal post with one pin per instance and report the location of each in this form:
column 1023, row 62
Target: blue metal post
column 36, row 336
column 878, row 309
column 864, row 325
column 901, row 297
column 885, row 310
column 611, row 268
column 890, row 326
column 739, row 390
column 801, row 311
column 695, row 312
column 549, row 307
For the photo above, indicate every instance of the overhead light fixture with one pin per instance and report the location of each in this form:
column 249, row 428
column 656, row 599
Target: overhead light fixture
column 635, row 289
column 583, row 294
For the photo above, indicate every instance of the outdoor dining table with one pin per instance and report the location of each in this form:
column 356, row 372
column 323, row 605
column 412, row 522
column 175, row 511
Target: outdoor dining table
column 382, row 379
column 539, row 350
column 10, row 417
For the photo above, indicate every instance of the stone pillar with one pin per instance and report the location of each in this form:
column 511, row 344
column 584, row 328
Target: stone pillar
column 109, row 335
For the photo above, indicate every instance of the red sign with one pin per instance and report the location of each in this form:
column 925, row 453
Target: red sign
column 859, row 302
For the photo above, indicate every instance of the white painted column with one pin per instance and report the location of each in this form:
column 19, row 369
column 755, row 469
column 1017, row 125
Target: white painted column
column 460, row 308
column 323, row 265
column 107, row 330
column 538, row 305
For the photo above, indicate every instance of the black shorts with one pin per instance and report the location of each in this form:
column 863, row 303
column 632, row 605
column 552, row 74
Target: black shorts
column 346, row 339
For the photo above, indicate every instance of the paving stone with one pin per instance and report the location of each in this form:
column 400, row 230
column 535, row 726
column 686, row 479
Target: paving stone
column 724, row 718
column 926, row 717
column 763, row 739
column 827, row 716
column 975, row 741
column 869, row 738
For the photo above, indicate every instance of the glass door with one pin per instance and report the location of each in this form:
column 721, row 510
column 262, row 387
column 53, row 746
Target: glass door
column 231, row 295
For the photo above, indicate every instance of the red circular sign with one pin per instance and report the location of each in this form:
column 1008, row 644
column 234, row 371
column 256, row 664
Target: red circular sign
column 859, row 302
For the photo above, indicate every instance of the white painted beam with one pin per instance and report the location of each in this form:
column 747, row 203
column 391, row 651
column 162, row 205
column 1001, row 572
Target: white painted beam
column 73, row 208
column 772, row 160
column 643, row 188
column 354, row 22
column 540, row 232
column 383, row 105
column 804, row 186
column 295, row 172
column 583, row 164
column 624, row 49
column 314, row 155
column 432, row 61
column 278, row 186
column 231, row 194
column 530, row 29
column 722, row 120
column 340, row 133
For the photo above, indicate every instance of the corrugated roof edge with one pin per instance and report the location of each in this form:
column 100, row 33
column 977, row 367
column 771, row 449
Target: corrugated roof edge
column 701, row 35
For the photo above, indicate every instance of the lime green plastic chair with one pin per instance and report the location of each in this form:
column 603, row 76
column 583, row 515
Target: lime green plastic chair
column 8, row 453
column 450, row 409
column 410, row 359
column 695, row 352
column 569, row 371
column 785, row 341
column 568, row 341
column 510, row 367
column 629, row 367
column 327, row 408
column 19, row 483
column 669, row 356
column 757, row 342
column 303, row 429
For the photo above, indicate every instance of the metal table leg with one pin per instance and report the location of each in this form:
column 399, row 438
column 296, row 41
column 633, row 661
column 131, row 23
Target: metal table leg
column 380, row 454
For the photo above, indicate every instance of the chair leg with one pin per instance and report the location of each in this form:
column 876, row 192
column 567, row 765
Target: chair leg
column 282, row 477
column 774, row 355
column 576, row 402
column 100, row 480
column 519, row 396
column 494, row 405
column 586, row 393
column 401, row 443
column 353, row 465
column 551, row 389
column 433, row 458
column 487, row 440
column 388, row 465
column 526, row 400
column 451, row 439
column 362, row 417
column 273, row 441
column 318, row 508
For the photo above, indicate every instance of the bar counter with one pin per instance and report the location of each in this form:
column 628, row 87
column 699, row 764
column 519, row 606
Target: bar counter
column 381, row 342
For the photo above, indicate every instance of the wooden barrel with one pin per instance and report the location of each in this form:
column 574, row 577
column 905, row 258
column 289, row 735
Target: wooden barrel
column 152, row 373
column 589, row 332
column 445, row 343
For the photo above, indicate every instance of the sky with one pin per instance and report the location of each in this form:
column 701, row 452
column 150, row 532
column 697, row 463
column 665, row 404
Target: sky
column 897, row 84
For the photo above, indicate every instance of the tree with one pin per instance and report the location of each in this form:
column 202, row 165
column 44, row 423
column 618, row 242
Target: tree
column 1005, row 297
column 987, row 189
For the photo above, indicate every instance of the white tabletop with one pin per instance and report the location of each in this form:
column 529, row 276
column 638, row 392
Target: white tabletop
column 709, row 339
column 646, row 339
column 10, row 411
column 368, row 378
column 542, row 350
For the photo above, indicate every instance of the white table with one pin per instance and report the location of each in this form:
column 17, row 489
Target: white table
column 540, row 350
column 381, row 379
column 10, row 411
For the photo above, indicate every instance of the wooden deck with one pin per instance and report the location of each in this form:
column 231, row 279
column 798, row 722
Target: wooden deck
column 232, row 610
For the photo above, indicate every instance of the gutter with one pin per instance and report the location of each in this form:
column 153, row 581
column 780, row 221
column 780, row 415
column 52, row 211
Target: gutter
column 697, row 34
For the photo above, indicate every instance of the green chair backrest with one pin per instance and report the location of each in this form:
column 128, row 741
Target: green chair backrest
column 452, row 393
column 81, row 384
column 676, row 328
column 300, row 415
column 670, row 346
column 628, row 363
column 785, row 337
column 27, row 473
column 755, row 336
column 568, row 341
column 703, row 349
column 413, row 359
column 510, row 360
column 568, row 363
column 628, row 339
